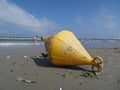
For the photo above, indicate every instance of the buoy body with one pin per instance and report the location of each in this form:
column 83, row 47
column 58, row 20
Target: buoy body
column 64, row 49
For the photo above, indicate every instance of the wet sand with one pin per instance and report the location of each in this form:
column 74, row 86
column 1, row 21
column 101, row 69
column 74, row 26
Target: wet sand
column 24, row 62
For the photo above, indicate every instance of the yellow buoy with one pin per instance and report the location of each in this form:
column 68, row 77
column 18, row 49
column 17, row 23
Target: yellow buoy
column 64, row 48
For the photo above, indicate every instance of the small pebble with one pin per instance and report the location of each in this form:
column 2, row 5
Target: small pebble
column 110, row 76
column 36, row 74
column 24, row 73
column 23, row 80
column 61, row 88
column 7, row 57
column 14, row 63
column 25, row 56
column 118, row 81
column 85, row 81
column 61, row 74
column 80, row 83
column 11, row 70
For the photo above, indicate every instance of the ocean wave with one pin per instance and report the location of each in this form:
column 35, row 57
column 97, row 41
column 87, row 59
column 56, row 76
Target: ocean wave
column 16, row 39
column 19, row 44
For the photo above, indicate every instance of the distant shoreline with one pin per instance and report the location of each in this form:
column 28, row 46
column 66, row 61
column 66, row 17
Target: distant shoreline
column 87, row 42
column 30, row 38
column 98, row 39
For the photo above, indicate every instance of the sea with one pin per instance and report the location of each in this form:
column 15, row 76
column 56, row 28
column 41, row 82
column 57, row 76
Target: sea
column 86, row 42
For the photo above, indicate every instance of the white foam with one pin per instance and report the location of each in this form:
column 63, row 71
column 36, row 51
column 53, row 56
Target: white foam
column 19, row 44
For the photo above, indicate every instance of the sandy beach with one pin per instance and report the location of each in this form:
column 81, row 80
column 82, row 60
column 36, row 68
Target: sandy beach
column 25, row 63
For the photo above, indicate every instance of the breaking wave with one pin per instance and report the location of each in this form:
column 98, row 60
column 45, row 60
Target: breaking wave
column 19, row 44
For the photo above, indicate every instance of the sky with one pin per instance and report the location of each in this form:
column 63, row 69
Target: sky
column 85, row 18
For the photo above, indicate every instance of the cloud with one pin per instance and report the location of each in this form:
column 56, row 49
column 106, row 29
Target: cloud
column 110, row 25
column 107, row 22
column 105, row 19
column 11, row 14
column 103, row 23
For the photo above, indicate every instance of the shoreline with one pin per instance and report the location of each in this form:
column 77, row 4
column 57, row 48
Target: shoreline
column 25, row 62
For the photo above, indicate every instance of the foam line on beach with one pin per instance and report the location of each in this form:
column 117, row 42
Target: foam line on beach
column 19, row 44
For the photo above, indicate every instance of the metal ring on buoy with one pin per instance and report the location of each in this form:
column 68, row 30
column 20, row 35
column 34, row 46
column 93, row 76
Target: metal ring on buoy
column 97, row 64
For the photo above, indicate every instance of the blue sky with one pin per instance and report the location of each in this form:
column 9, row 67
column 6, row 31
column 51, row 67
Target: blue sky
column 85, row 18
